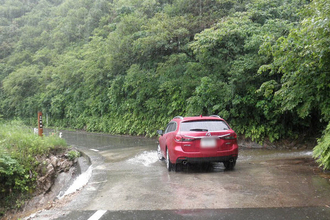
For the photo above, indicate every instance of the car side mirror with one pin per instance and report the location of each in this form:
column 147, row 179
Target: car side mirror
column 160, row 132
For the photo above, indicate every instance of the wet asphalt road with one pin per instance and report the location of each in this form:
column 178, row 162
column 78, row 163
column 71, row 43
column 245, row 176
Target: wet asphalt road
column 211, row 214
column 129, row 182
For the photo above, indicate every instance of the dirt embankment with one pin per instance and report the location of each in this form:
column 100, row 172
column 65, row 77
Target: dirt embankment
column 55, row 173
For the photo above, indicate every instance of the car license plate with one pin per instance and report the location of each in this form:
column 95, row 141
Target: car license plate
column 208, row 142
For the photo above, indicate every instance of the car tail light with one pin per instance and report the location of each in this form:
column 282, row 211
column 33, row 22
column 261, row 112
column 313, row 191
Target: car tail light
column 181, row 138
column 231, row 137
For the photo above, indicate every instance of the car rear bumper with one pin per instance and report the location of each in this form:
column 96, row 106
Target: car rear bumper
column 197, row 157
column 206, row 159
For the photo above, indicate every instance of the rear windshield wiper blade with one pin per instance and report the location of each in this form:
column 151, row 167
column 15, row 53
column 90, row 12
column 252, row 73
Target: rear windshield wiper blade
column 198, row 129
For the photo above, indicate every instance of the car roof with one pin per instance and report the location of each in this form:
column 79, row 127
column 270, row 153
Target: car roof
column 198, row 118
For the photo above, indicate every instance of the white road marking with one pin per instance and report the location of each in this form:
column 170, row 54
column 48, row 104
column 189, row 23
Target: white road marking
column 97, row 215
column 94, row 150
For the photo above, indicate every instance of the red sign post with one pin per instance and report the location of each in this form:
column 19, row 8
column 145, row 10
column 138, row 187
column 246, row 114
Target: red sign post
column 40, row 127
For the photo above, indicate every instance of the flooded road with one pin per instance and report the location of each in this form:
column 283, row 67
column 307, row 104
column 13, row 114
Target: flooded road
column 128, row 176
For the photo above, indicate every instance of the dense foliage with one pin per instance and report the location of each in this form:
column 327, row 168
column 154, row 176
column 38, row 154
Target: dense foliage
column 19, row 153
column 128, row 66
column 302, row 61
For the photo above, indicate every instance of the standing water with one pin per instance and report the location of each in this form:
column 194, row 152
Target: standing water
column 127, row 175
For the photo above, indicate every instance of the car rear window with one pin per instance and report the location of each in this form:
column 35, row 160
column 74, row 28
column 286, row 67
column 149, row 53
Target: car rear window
column 203, row 126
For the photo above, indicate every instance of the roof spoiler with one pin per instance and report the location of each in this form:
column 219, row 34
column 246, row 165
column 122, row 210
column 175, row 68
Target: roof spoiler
column 216, row 116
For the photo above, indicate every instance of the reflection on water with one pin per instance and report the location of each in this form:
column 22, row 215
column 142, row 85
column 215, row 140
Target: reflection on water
column 266, row 154
column 101, row 142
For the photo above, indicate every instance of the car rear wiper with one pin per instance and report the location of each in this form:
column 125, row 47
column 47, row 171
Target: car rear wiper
column 198, row 129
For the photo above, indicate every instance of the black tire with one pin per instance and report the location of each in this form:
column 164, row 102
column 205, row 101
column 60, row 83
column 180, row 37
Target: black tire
column 229, row 165
column 159, row 154
column 169, row 165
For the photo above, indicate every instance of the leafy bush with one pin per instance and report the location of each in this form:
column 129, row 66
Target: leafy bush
column 19, row 150
column 11, row 175
column 72, row 155
column 322, row 150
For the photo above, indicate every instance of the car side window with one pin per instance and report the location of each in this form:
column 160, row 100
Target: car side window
column 173, row 128
column 170, row 127
column 167, row 128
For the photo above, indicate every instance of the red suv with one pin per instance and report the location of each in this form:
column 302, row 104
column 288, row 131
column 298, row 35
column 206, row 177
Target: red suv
column 198, row 139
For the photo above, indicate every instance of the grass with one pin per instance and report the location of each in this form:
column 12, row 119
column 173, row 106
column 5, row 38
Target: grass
column 20, row 149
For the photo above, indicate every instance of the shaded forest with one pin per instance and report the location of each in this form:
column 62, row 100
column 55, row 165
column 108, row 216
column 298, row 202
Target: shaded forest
column 128, row 66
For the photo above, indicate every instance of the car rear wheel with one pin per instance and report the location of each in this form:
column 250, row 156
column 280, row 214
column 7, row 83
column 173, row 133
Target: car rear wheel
column 229, row 165
column 159, row 153
column 169, row 165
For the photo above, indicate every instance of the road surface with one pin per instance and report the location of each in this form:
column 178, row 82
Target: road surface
column 129, row 182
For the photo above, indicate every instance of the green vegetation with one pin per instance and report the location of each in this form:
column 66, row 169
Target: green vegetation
column 19, row 153
column 301, row 59
column 127, row 66
column 322, row 150
column 72, row 155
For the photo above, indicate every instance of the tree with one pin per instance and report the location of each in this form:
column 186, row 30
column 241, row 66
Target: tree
column 301, row 59
column 18, row 87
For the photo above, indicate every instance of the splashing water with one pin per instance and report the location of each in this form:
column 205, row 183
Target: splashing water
column 81, row 181
column 146, row 158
